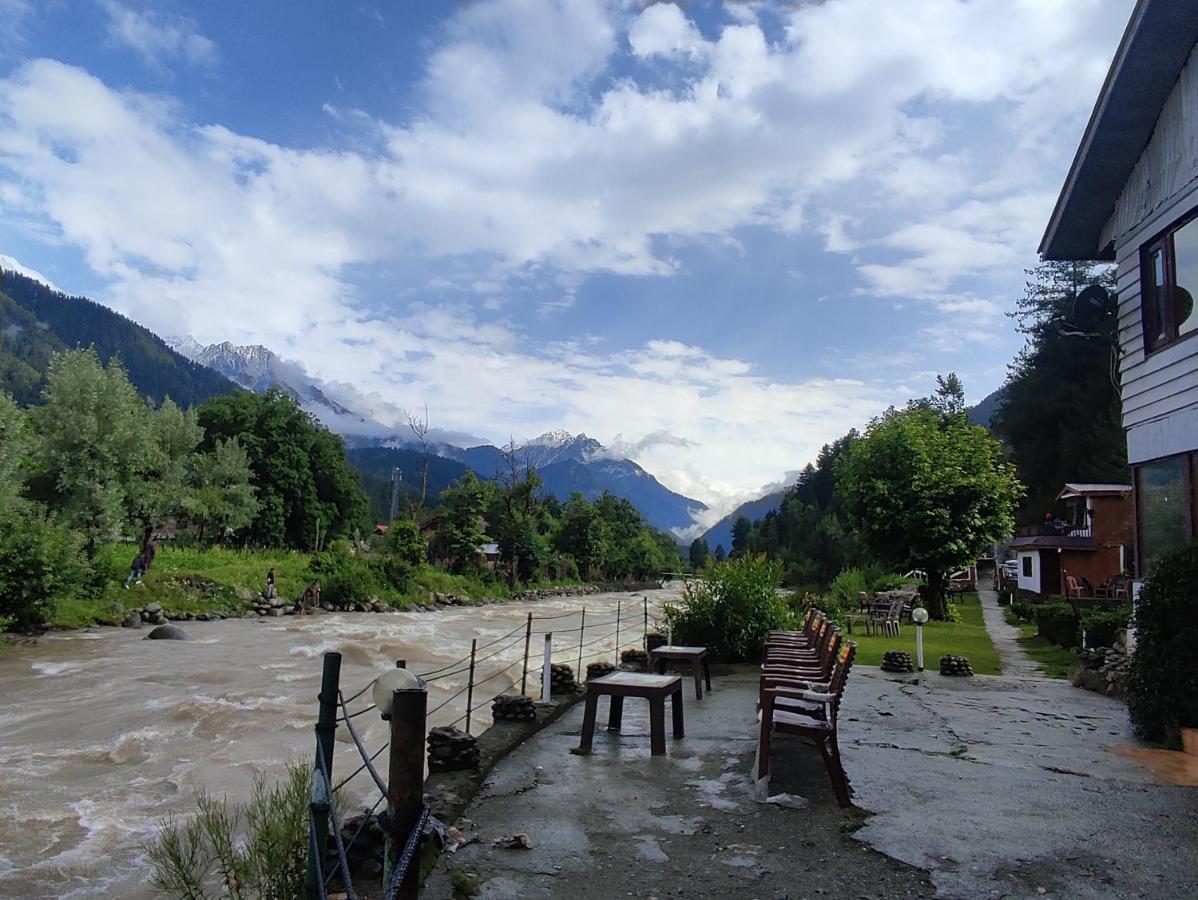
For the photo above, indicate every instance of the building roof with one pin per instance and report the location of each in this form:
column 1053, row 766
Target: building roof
column 1053, row 542
column 488, row 549
column 1154, row 49
column 1091, row 490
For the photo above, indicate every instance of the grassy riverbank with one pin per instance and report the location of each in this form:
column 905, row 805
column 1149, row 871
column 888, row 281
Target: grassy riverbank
column 226, row 580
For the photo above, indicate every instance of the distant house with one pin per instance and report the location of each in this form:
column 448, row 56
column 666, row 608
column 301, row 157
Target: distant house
column 489, row 554
column 1131, row 197
column 381, row 528
column 1092, row 541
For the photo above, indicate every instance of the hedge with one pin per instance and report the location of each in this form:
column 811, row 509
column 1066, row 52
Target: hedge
column 1162, row 685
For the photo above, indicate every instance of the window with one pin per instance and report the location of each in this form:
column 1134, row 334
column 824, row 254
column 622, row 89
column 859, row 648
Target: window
column 1027, row 566
column 1168, row 283
column 1164, row 507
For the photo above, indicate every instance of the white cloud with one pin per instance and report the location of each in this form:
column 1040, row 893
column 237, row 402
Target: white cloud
column 157, row 36
column 529, row 158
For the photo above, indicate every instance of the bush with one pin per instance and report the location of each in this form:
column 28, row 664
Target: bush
column 40, row 562
column 344, row 578
column 256, row 850
column 846, row 586
column 1102, row 626
column 1057, row 623
column 404, row 540
column 731, row 608
column 1162, row 685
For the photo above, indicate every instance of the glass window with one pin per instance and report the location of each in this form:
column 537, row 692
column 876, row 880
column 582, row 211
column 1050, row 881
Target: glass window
column 1185, row 266
column 1027, row 566
column 1161, row 509
column 1155, row 293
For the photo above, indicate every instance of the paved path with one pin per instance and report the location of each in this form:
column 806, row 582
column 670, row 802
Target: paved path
column 1015, row 662
column 994, row 787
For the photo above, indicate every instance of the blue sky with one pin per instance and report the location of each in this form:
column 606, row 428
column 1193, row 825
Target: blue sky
column 714, row 235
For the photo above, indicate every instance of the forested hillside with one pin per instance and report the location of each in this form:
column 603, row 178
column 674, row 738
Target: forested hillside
column 37, row 321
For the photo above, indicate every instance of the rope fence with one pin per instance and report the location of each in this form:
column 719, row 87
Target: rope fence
column 498, row 659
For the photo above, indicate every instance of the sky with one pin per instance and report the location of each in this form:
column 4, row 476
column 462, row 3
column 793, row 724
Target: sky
column 712, row 235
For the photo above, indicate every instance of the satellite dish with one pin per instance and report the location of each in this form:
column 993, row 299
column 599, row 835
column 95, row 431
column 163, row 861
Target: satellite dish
column 1090, row 308
column 1183, row 304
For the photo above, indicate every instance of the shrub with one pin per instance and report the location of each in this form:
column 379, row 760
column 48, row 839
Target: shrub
column 1162, row 685
column 256, row 850
column 40, row 561
column 1057, row 623
column 846, row 586
column 404, row 540
column 731, row 608
column 344, row 578
column 1102, row 626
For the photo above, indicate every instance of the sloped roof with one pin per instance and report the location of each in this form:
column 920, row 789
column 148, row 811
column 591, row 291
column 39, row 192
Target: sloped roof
column 1084, row 490
column 1158, row 41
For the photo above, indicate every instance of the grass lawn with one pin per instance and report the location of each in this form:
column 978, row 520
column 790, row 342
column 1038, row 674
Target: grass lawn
column 1054, row 661
column 966, row 638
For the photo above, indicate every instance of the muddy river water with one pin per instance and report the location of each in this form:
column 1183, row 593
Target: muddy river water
column 103, row 734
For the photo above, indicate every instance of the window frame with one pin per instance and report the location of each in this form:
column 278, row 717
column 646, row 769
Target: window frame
column 1189, row 481
column 1163, row 241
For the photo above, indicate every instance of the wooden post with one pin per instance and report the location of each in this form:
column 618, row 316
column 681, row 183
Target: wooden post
column 326, row 730
column 618, row 604
column 470, row 683
column 401, row 664
column 646, row 638
column 547, row 670
column 582, row 630
column 405, row 781
column 527, row 641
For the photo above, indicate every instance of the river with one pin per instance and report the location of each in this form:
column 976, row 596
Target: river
column 105, row 734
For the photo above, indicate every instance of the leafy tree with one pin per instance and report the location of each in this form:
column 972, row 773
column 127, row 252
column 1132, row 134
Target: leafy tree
column 307, row 492
column 163, row 487
column 740, row 536
column 222, row 499
column 97, row 444
column 461, row 532
column 698, row 553
column 404, row 540
column 720, row 554
column 1062, row 413
column 928, row 491
column 16, row 442
column 582, row 533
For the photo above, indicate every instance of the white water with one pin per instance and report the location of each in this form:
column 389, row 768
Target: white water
column 103, row 734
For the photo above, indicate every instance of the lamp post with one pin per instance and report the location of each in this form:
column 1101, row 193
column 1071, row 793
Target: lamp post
column 919, row 616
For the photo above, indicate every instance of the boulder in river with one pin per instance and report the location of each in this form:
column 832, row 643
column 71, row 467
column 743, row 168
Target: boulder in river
column 132, row 620
column 167, row 633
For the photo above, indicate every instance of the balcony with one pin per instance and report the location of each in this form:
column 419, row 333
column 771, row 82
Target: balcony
column 1054, row 529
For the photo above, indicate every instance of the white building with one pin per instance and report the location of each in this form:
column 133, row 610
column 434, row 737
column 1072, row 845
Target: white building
column 1131, row 197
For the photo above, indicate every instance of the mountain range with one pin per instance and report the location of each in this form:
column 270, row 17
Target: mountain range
column 37, row 321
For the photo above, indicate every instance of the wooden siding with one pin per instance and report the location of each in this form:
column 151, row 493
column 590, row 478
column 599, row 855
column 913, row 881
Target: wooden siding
column 1160, row 390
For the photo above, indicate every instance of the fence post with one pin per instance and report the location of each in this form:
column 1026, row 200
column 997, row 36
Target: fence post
column 582, row 630
column 527, row 640
column 405, row 781
column 618, row 604
column 326, row 729
column 401, row 664
column 470, row 683
column 646, row 638
column 547, row 670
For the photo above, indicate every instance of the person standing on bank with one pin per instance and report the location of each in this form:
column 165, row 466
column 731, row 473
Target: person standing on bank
column 141, row 564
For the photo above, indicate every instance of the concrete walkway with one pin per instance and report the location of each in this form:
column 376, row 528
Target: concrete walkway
column 976, row 787
column 1015, row 662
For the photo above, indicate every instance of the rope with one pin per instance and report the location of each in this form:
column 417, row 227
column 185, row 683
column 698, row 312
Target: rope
column 358, row 713
column 382, row 786
column 405, row 858
column 344, row 781
column 361, row 827
column 342, row 860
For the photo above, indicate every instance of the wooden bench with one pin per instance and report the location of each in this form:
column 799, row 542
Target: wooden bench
column 696, row 656
column 654, row 688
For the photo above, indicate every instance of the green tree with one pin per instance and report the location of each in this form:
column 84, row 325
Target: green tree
column 16, row 442
column 720, row 554
column 307, row 492
column 582, row 534
column 40, row 562
column 740, row 535
column 1062, row 414
column 221, row 500
column 461, row 533
column 97, row 445
column 163, row 487
column 928, row 491
column 699, row 552
column 404, row 540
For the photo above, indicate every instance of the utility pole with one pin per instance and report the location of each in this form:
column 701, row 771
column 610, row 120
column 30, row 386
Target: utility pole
column 396, row 480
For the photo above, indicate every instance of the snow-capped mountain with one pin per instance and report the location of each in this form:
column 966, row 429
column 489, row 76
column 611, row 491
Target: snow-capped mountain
column 258, row 368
